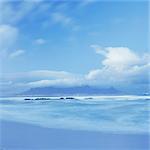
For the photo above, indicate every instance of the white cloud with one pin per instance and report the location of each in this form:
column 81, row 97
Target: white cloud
column 8, row 36
column 56, row 82
column 121, row 66
column 9, row 18
column 16, row 53
column 40, row 41
column 120, row 58
column 98, row 49
column 64, row 20
column 61, row 18
column 84, row 3
column 48, row 74
column 38, row 75
column 8, row 13
column 93, row 74
column 40, row 78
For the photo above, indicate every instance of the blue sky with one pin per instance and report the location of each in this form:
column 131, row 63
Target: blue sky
column 80, row 38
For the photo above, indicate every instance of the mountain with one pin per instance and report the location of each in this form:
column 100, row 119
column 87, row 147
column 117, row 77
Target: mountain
column 76, row 90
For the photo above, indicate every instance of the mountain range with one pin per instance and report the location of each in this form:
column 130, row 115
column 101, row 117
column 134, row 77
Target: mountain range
column 75, row 90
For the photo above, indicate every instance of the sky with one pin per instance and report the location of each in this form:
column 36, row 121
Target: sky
column 69, row 43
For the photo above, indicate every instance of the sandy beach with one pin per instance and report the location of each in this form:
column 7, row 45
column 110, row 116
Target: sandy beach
column 21, row 136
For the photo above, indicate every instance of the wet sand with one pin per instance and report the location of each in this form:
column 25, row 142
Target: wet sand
column 22, row 136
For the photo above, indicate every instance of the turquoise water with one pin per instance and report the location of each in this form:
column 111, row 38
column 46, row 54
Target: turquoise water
column 109, row 114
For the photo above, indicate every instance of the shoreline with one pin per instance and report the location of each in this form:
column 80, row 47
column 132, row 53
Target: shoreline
column 16, row 135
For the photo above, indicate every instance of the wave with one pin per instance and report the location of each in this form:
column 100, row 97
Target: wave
column 103, row 113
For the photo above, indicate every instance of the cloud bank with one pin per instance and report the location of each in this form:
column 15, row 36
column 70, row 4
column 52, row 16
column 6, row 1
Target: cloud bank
column 121, row 68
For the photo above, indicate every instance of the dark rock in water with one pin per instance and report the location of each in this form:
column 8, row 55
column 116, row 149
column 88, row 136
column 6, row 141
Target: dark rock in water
column 37, row 99
column 42, row 99
column 27, row 99
column 146, row 94
column 61, row 98
column 70, row 98
column 88, row 98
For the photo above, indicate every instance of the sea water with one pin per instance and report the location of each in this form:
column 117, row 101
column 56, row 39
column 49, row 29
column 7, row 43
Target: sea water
column 127, row 114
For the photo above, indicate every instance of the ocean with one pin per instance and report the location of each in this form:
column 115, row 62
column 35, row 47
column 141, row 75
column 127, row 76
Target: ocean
column 115, row 114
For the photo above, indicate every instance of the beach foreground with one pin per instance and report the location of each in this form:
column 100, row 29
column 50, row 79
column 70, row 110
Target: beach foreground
column 25, row 136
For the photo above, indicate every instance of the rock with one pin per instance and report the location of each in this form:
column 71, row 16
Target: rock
column 42, row 99
column 88, row 98
column 70, row 98
column 27, row 99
